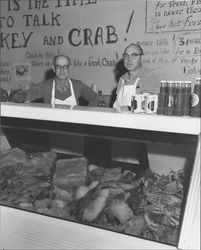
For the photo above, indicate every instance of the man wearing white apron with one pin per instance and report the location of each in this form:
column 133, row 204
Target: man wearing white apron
column 137, row 80
column 62, row 89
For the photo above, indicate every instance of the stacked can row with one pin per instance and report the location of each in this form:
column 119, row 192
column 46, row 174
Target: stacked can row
column 144, row 103
column 175, row 98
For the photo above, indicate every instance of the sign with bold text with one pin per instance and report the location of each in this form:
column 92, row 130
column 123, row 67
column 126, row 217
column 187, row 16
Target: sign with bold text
column 94, row 33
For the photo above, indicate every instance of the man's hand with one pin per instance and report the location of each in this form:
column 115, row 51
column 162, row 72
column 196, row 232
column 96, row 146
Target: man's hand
column 3, row 95
column 121, row 109
column 18, row 96
column 124, row 108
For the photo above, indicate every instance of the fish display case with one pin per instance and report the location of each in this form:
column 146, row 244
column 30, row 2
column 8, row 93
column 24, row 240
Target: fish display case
column 51, row 198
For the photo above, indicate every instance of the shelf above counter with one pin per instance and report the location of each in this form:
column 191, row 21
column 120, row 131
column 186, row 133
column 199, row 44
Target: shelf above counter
column 102, row 117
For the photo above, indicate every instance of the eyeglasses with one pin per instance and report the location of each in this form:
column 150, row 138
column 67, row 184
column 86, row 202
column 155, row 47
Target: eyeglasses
column 132, row 56
column 59, row 67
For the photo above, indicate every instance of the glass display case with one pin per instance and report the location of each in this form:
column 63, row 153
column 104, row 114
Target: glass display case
column 113, row 203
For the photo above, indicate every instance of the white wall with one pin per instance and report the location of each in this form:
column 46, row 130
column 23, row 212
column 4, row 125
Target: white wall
column 162, row 157
column 34, row 31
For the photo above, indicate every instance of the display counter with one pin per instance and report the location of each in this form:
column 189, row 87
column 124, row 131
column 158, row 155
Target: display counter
column 102, row 117
column 28, row 230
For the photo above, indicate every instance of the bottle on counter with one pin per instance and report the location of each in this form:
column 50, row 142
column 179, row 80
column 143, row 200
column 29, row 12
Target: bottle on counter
column 169, row 107
column 94, row 87
column 187, row 98
column 195, row 99
column 179, row 97
column 162, row 98
column 175, row 86
column 101, row 102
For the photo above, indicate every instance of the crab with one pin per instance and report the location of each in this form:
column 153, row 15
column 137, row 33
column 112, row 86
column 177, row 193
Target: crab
column 164, row 196
column 162, row 214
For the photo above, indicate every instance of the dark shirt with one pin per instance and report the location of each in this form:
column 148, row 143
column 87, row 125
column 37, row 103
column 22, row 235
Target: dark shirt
column 44, row 90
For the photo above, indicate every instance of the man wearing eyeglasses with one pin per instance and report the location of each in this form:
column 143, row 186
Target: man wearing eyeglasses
column 136, row 80
column 62, row 89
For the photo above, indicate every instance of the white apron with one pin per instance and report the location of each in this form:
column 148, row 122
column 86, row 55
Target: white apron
column 125, row 94
column 71, row 100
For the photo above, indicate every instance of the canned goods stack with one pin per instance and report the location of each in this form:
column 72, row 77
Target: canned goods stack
column 175, row 98
column 144, row 103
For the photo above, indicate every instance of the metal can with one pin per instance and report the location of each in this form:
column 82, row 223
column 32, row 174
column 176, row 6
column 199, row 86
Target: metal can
column 138, row 103
column 170, row 98
column 187, row 98
column 162, row 98
column 151, row 104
